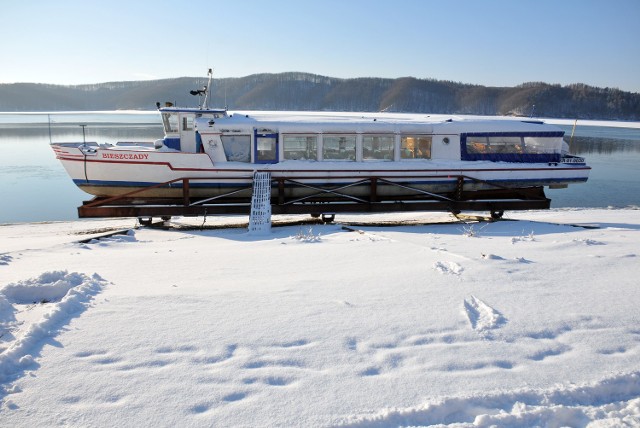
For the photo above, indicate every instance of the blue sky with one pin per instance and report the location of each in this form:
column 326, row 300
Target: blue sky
column 491, row 42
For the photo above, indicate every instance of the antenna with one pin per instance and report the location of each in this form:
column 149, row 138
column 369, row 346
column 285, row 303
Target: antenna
column 572, row 131
column 84, row 138
column 207, row 89
column 84, row 151
column 49, row 120
column 203, row 92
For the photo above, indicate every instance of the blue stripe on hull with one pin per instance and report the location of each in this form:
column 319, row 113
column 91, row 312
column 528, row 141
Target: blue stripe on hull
column 195, row 184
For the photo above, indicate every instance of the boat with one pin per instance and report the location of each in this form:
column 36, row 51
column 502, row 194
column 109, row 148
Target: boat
column 326, row 161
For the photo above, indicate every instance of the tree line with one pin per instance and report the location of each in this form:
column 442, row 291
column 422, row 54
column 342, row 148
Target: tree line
column 304, row 91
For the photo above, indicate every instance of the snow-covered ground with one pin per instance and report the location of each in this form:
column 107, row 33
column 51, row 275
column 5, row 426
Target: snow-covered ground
column 527, row 322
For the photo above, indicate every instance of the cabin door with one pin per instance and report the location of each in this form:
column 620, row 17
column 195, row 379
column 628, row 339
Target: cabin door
column 266, row 147
column 188, row 141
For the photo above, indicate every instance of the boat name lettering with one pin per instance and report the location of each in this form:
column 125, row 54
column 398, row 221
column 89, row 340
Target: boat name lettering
column 573, row 160
column 125, row 156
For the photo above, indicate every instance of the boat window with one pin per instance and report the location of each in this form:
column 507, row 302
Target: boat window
column 300, row 147
column 498, row 144
column 187, row 123
column 378, row 147
column 237, row 148
column 477, row 144
column 543, row 144
column 415, row 147
column 266, row 149
column 339, row 147
column 513, row 144
column 535, row 147
column 170, row 121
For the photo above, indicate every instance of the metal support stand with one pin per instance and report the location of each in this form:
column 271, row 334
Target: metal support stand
column 367, row 194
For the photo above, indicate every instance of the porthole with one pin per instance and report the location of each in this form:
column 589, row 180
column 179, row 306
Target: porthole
column 445, row 140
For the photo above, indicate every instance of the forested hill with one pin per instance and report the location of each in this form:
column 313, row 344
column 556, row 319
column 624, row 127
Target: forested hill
column 302, row 91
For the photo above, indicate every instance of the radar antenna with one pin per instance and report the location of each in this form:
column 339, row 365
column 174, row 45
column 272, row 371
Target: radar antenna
column 204, row 92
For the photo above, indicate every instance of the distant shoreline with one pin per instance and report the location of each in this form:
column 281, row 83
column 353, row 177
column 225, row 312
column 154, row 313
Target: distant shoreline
column 293, row 91
column 554, row 121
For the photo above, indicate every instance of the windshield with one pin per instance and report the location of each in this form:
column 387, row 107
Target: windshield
column 170, row 122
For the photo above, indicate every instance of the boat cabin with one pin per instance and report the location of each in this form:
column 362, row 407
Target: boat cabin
column 264, row 138
column 179, row 127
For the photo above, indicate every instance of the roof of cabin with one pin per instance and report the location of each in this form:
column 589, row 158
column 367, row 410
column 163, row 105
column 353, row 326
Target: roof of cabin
column 313, row 122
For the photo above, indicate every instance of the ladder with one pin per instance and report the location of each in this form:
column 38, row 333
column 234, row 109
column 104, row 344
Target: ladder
column 260, row 217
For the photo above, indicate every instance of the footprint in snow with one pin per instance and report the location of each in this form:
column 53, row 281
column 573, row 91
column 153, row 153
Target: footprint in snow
column 371, row 371
column 452, row 268
column 588, row 242
column 482, row 316
column 612, row 351
column 292, row 344
column 549, row 352
column 236, row 396
column 201, row 408
column 491, row 257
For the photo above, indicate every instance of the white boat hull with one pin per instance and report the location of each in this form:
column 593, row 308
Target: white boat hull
column 343, row 161
column 108, row 172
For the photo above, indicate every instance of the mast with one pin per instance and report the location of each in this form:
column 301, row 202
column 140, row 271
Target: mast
column 572, row 132
column 203, row 92
column 207, row 89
